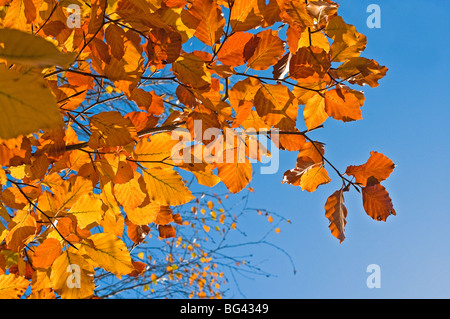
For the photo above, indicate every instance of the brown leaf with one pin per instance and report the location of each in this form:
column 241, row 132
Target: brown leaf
column 166, row 231
column 377, row 166
column 336, row 212
column 376, row 202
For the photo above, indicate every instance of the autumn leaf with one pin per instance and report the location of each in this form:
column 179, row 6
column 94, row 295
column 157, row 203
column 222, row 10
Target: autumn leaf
column 232, row 51
column 27, row 110
column 12, row 286
column 155, row 150
column 245, row 15
column 376, row 202
column 24, row 48
column 274, row 103
column 378, row 166
column 344, row 104
column 314, row 111
column 263, row 50
column 235, row 176
column 191, row 69
column 130, row 194
column 348, row 43
column 46, row 253
column 211, row 21
column 87, row 209
column 111, row 129
column 359, row 70
column 336, row 212
column 166, row 231
column 166, row 187
column 72, row 276
column 309, row 172
column 110, row 253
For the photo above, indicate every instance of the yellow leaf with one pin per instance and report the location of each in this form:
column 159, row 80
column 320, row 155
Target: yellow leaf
column 314, row 111
column 26, row 104
column 129, row 194
column 72, row 276
column 24, row 48
column 206, row 178
column 110, row 253
column 314, row 177
column 12, row 286
column 158, row 148
column 87, row 209
column 166, row 187
column 143, row 215
column 191, row 69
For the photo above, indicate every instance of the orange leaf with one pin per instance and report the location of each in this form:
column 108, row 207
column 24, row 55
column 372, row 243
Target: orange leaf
column 336, row 212
column 163, row 46
column 235, row 176
column 376, row 202
column 245, row 15
column 309, row 64
column 275, row 102
column 232, row 51
column 343, row 104
column 139, row 268
column 314, row 111
column 12, row 286
column 211, row 21
column 361, row 71
column 313, row 178
column 111, row 129
column 46, row 253
column 191, row 69
column 377, row 166
column 263, row 50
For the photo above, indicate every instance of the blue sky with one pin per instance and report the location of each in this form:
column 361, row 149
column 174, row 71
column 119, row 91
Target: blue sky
column 406, row 118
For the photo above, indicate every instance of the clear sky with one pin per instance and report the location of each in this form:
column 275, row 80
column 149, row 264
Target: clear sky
column 407, row 119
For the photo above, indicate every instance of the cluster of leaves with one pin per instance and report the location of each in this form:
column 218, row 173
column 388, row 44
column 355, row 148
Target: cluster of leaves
column 76, row 177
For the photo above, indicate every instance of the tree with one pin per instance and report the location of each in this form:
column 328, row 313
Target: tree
column 110, row 107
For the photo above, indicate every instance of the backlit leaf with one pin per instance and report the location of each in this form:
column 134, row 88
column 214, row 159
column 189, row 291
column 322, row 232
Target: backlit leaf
column 336, row 212
column 378, row 166
column 24, row 48
column 12, row 286
column 26, row 104
column 166, row 187
column 46, row 253
column 110, row 253
column 263, row 50
column 376, row 202
column 72, row 276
